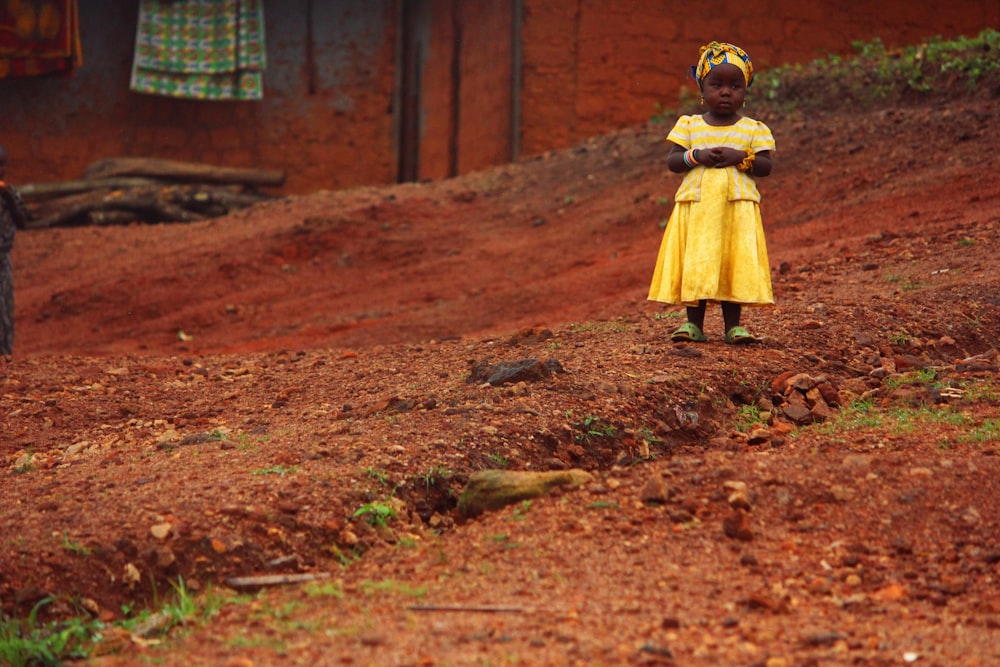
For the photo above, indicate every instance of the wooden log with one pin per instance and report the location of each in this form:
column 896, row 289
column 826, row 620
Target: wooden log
column 36, row 191
column 493, row 489
column 163, row 203
column 148, row 205
column 66, row 210
column 184, row 171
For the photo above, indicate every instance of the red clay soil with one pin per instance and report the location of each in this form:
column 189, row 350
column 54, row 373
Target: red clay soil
column 242, row 397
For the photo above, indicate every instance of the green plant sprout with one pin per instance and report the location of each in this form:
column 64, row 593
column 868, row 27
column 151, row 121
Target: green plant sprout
column 376, row 513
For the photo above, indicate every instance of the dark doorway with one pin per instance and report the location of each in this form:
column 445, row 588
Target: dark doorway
column 458, row 86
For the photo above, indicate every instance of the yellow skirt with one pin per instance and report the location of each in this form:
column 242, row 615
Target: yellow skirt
column 713, row 249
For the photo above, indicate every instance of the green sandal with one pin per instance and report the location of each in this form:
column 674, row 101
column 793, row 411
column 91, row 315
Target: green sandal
column 689, row 333
column 739, row 336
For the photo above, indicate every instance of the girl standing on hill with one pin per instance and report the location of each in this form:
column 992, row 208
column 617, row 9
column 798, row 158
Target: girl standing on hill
column 713, row 247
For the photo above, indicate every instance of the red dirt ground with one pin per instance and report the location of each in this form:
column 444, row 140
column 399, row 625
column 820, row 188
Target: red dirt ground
column 219, row 399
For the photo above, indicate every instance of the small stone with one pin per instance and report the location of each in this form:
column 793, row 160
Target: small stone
column 843, row 494
column 131, row 576
column 737, row 526
column 654, row 491
column 798, row 414
column 73, row 450
column 168, row 436
column 971, row 516
column 780, row 384
column 738, row 500
column 856, row 461
column 160, row 531
column 802, row 382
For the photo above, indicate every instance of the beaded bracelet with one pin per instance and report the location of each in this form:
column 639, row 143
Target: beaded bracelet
column 689, row 159
column 747, row 163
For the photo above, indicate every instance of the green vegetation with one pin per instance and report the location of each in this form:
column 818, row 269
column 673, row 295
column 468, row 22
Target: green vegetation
column 988, row 431
column 858, row 415
column 391, row 586
column 498, row 459
column 435, row 475
column 901, row 337
column 74, row 547
column 376, row 513
column 907, row 284
column 521, row 511
column 876, row 73
column 28, row 641
column 380, row 476
column 869, row 77
column 924, row 376
column 275, row 470
column 593, row 428
column 749, row 416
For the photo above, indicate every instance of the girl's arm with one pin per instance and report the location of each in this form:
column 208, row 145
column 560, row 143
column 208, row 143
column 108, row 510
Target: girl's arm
column 676, row 162
column 762, row 164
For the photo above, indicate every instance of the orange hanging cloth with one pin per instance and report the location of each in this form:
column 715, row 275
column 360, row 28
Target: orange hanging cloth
column 39, row 38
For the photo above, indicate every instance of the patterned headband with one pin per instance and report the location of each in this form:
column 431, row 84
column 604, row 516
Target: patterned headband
column 714, row 54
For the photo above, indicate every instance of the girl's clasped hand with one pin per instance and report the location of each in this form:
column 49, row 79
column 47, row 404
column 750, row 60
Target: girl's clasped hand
column 720, row 156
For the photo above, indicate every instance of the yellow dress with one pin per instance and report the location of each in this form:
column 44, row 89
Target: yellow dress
column 713, row 247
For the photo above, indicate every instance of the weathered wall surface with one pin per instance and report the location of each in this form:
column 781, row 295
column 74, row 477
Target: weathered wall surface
column 330, row 115
column 593, row 65
column 326, row 120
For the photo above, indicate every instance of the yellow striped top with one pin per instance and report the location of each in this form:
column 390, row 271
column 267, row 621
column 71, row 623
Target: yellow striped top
column 745, row 134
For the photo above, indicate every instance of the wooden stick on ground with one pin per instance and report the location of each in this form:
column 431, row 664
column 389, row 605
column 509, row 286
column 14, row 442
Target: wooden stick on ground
column 486, row 609
column 242, row 583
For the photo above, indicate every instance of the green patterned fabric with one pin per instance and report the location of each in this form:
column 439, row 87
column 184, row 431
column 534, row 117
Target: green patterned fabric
column 200, row 49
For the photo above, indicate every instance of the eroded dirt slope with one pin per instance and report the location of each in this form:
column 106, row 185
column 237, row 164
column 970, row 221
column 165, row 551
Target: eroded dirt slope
column 221, row 399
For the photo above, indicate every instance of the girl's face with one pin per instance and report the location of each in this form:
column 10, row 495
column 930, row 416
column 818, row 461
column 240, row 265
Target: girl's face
column 724, row 89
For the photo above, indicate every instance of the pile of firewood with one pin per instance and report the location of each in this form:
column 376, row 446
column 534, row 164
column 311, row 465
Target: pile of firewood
column 120, row 191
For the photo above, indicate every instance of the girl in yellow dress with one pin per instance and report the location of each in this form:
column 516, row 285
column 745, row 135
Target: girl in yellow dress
column 713, row 248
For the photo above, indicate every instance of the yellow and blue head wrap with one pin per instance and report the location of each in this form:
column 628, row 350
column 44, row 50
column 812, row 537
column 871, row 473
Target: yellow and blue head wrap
column 714, row 54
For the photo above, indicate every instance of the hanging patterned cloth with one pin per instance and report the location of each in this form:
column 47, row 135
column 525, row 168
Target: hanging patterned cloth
column 200, row 49
column 39, row 37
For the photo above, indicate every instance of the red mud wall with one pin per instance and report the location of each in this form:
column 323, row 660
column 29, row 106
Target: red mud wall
column 330, row 116
column 326, row 119
column 594, row 65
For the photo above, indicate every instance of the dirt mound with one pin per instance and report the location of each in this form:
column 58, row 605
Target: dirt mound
column 287, row 390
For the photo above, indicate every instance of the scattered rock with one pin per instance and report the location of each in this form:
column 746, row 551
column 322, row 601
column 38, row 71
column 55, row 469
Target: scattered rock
column 524, row 370
column 737, row 526
column 654, row 491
